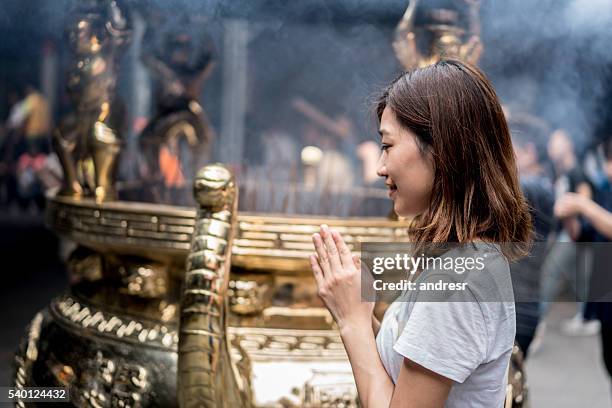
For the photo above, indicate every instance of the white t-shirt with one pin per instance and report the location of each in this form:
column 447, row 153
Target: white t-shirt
column 466, row 339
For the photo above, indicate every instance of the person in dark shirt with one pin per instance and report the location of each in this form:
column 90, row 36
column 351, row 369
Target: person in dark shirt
column 529, row 141
column 590, row 221
column 568, row 173
column 569, row 177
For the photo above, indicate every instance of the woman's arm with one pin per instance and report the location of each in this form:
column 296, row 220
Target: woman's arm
column 339, row 284
column 418, row 387
column 599, row 217
column 571, row 224
column 375, row 325
column 374, row 385
column 569, row 206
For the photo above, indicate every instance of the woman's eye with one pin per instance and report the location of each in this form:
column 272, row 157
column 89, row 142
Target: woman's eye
column 384, row 147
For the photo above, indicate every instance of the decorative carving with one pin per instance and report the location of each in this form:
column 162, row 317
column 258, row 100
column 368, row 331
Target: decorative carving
column 248, row 297
column 263, row 242
column 147, row 281
column 263, row 344
column 113, row 383
column 25, row 358
column 330, row 389
column 207, row 376
column 100, row 323
column 85, row 264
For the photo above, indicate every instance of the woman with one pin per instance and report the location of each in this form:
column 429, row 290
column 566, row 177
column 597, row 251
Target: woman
column 448, row 162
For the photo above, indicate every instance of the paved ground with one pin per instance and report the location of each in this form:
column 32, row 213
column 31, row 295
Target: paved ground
column 566, row 372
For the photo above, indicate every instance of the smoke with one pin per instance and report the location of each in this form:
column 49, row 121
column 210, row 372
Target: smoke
column 551, row 58
column 335, row 68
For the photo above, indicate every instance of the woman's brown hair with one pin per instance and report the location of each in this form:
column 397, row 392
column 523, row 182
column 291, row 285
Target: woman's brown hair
column 454, row 111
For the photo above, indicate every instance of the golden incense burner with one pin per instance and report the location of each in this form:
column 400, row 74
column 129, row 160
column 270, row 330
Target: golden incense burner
column 154, row 304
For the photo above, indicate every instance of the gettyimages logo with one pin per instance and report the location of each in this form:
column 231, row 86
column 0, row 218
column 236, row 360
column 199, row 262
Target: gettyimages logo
column 480, row 272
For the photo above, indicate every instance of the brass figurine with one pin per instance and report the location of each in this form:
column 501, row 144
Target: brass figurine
column 179, row 60
column 88, row 140
column 431, row 30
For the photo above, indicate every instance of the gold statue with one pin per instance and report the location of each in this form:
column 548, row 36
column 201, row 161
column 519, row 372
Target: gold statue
column 87, row 141
column 180, row 57
column 431, row 30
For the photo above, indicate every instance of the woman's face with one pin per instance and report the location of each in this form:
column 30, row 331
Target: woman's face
column 408, row 174
column 561, row 150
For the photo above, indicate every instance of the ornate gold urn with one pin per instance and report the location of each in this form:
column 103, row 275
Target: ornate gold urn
column 155, row 304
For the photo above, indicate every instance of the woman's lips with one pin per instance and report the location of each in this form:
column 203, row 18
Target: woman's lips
column 392, row 190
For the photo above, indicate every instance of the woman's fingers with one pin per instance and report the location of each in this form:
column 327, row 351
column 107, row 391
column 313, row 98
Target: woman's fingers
column 357, row 261
column 332, row 250
column 322, row 255
column 316, row 270
column 343, row 250
column 332, row 254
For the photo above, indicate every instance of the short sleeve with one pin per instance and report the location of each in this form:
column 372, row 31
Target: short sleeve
column 448, row 338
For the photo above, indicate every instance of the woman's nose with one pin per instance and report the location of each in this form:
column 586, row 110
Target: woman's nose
column 381, row 169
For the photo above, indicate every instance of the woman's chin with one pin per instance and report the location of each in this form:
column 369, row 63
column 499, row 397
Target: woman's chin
column 402, row 211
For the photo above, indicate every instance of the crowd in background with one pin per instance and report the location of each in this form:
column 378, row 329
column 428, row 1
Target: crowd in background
column 569, row 188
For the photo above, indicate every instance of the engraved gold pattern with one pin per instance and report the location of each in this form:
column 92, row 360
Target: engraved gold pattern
column 263, row 241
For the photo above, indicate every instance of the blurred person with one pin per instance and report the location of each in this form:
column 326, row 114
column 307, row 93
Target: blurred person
column 529, row 135
column 17, row 112
column 590, row 220
column 29, row 185
column 334, row 170
column 51, row 174
column 29, row 124
column 36, row 117
column 368, row 153
column 333, row 167
column 593, row 164
column 11, row 147
column 560, row 262
column 569, row 176
column 270, row 185
column 328, row 177
column 335, row 137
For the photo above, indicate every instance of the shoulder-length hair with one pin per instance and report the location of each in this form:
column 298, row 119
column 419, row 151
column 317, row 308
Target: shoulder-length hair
column 454, row 111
